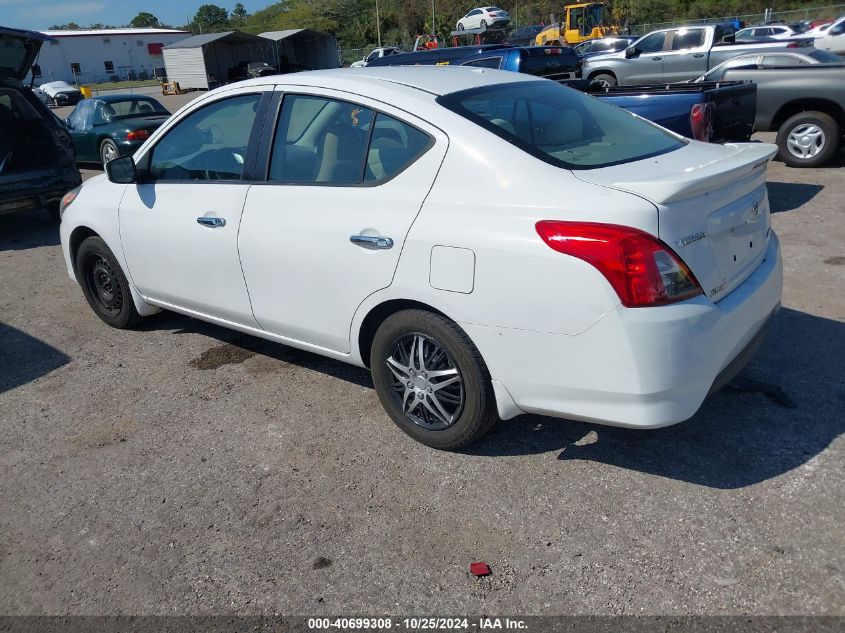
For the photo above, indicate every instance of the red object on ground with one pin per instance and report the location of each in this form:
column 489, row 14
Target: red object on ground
column 479, row 569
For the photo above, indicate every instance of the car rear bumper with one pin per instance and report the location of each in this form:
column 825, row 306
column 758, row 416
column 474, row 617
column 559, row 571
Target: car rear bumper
column 642, row 368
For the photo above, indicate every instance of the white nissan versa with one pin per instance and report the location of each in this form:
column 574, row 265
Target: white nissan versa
column 486, row 243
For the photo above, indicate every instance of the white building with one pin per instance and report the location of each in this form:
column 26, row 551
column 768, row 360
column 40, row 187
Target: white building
column 88, row 57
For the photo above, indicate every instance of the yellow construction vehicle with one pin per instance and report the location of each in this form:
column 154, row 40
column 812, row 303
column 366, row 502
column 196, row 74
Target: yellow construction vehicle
column 582, row 22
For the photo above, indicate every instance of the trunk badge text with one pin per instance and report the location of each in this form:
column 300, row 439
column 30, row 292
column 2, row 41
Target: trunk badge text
column 689, row 239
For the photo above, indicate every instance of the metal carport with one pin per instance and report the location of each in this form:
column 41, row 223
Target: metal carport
column 204, row 61
column 303, row 49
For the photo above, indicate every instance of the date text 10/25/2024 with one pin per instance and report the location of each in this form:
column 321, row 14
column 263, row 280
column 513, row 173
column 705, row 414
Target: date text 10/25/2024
column 418, row 623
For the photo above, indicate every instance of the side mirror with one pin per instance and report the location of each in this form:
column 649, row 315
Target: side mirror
column 631, row 51
column 122, row 170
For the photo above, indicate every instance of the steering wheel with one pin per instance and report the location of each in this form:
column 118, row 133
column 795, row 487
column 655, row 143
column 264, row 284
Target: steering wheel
column 225, row 158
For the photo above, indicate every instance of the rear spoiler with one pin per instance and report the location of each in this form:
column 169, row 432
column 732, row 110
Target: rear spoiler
column 747, row 159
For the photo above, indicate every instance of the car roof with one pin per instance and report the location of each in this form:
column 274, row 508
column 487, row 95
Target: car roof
column 435, row 80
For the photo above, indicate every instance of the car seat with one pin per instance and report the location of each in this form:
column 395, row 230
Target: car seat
column 340, row 155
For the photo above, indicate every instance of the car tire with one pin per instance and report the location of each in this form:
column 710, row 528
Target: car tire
column 108, row 151
column 418, row 405
column 55, row 102
column 606, row 80
column 460, row 26
column 53, row 210
column 104, row 285
column 483, row 24
column 808, row 139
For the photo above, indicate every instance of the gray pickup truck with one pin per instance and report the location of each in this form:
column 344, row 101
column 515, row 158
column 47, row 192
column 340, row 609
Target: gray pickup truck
column 804, row 104
column 674, row 55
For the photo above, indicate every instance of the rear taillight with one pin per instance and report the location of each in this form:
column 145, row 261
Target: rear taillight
column 138, row 135
column 701, row 121
column 553, row 51
column 642, row 270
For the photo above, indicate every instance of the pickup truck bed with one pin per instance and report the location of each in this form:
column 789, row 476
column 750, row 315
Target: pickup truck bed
column 730, row 105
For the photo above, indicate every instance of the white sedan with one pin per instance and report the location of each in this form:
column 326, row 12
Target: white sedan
column 608, row 270
column 483, row 17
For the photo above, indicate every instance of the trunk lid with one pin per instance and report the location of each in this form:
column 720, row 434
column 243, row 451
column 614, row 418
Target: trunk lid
column 18, row 51
column 712, row 206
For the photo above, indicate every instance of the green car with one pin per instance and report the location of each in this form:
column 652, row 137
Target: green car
column 106, row 127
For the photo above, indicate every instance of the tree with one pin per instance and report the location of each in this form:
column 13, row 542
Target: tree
column 239, row 15
column 145, row 20
column 70, row 26
column 210, row 17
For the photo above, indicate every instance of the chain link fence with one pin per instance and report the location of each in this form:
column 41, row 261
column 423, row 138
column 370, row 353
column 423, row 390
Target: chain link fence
column 795, row 15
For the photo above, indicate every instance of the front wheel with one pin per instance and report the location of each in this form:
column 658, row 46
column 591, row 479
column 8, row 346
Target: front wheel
column 431, row 380
column 606, row 80
column 108, row 151
column 808, row 139
column 460, row 26
column 104, row 284
column 483, row 24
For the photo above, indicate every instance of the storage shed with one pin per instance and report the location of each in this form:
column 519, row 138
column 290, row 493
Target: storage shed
column 303, row 49
column 205, row 61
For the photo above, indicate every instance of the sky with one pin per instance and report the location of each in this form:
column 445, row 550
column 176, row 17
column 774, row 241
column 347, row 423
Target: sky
column 41, row 14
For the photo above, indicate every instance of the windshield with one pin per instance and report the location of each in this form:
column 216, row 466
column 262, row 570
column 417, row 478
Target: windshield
column 113, row 110
column 561, row 126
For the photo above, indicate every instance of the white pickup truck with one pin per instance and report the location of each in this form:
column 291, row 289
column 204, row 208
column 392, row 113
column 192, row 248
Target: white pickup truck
column 675, row 54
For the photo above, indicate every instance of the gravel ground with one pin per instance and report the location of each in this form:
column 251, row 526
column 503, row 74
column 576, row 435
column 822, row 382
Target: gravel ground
column 183, row 468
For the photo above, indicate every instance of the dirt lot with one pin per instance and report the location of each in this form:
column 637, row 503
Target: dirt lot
column 183, row 468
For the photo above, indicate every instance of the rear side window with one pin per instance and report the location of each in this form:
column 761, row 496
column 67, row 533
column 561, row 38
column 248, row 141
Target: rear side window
column 323, row 141
column 782, row 60
column 561, row 126
column 687, row 38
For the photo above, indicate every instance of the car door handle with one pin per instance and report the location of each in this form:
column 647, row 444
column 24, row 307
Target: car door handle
column 213, row 222
column 657, row 59
column 698, row 54
column 371, row 241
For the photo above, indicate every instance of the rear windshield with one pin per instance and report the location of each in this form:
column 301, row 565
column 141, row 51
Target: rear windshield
column 825, row 56
column 552, row 62
column 560, row 125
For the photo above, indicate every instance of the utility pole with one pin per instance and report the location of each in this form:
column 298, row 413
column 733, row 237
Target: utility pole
column 433, row 21
column 378, row 26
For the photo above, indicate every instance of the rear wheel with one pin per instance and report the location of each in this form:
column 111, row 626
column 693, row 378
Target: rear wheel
column 108, row 151
column 432, row 380
column 606, row 80
column 483, row 24
column 808, row 139
column 460, row 26
column 104, row 284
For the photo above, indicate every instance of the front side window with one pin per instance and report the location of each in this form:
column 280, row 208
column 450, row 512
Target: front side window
column 560, row 126
column 687, row 38
column 332, row 142
column 208, row 144
column 652, row 43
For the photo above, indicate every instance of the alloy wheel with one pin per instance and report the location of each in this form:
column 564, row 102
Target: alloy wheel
column 426, row 381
